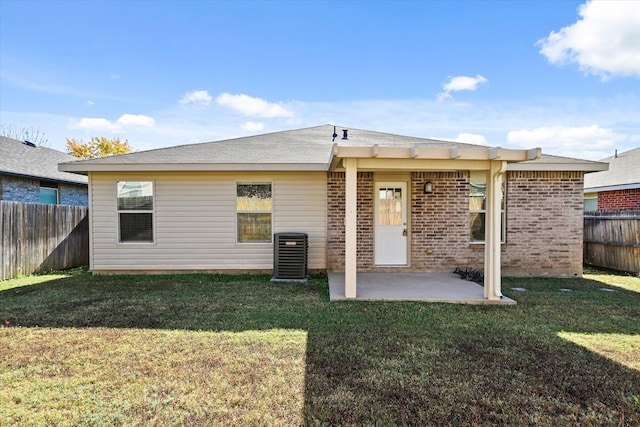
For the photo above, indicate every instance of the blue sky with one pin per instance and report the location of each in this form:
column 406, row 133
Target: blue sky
column 561, row 75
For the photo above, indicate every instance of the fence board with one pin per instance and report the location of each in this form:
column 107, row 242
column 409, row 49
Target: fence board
column 612, row 240
column 37, row 237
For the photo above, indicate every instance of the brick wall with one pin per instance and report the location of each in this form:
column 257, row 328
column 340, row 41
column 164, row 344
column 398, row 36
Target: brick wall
column 75, row 195
column 439, row 221
column 27, row 190
column 619, row 199
column 335, row 220
column 17, row 189
column 544, row 223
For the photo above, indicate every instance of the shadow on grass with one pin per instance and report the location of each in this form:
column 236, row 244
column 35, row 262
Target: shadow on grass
column 386, row 362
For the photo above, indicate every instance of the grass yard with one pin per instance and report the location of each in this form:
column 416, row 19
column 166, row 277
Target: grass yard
column 240, row 350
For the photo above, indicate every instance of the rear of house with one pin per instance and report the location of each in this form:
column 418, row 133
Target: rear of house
column 370, row 202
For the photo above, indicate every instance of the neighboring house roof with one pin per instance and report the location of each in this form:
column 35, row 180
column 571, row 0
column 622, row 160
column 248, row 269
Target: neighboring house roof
column 300, row 149
column 21, row 159
column 623, row 173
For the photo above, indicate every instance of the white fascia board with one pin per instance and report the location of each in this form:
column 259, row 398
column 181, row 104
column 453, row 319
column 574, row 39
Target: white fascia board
column 612, row 188
column 580, row 167
column 148, row 167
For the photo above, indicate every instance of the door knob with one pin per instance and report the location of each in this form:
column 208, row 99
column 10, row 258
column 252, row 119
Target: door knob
column 404, row 232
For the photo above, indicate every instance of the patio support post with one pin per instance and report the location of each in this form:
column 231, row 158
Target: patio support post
column 493, row 227
column 351, row 225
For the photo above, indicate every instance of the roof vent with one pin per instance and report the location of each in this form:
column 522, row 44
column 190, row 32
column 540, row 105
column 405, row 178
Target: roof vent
column 344, row 134
column 30, row 144
column 334, row 134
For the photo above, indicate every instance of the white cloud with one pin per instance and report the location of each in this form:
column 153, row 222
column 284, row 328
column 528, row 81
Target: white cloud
column 605, row 42
column 253, row 126
column 460, row 83
column 90, row 103
column 250, row 106
column 105, row 125
column 470, row 138
column 93, row 124
column 136, row 120
column 200, row 98
column 584, row 142
column 115, row 76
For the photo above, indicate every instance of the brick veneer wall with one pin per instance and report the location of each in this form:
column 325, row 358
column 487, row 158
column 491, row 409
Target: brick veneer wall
column 544, row 223
column 75, row 195
column 440, row 221
column 619, row 199
column 17, row 189
column 27, row 190
column 335, row 220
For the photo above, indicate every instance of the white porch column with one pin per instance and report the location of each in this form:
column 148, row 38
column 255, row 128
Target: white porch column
column 492, row 266
column 351, row 227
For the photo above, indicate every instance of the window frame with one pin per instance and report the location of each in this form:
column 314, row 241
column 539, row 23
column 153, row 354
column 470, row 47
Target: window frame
column 48, row 186
column 151, row 211
column 259, row 211
column 503, row 208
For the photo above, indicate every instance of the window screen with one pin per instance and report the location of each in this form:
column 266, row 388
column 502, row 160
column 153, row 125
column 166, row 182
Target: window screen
column 254, row 205
column 135, row 211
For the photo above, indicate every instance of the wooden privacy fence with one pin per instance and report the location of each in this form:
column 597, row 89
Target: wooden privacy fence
column 37, row 237
column 612, row 239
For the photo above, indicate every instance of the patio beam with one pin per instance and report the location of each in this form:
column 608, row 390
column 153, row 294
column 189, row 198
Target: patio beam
column 434, row 153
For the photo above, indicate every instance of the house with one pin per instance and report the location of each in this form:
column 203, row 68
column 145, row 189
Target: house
column 616, row 188
column 368, row 201
column 29, row 173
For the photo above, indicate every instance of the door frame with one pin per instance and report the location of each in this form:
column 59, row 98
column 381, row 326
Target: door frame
column 383, row 181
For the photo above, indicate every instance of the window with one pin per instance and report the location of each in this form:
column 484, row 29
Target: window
column 477, row 207
column 48, row 193
column 254, row 205
column 390, row 206
column 590, row 202
column 135, row 211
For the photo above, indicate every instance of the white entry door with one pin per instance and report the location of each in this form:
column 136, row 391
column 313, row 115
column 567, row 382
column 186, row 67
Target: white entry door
column 391, row 223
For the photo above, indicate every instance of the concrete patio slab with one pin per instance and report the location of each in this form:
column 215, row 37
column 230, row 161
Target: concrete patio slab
column 430, row 287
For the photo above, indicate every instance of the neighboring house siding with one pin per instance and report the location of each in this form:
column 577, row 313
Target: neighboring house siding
column 195, row 221
column 16, row 189
column 619, row 199
column 544, row 224
column 75, row 195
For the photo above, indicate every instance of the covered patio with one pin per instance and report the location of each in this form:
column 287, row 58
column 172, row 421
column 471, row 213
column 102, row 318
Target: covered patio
column 390, row 160
column 428, row 287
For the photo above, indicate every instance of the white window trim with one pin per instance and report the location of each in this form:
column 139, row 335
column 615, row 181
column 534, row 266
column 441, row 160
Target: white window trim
column 503, row 215
column 271, row 212
column 152, row 212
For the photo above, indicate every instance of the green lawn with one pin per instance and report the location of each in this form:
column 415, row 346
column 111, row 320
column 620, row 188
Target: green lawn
column 239, row 350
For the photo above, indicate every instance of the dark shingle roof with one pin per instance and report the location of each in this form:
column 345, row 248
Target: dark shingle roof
column 308, row 148
column 624, row 170
column 20, row 159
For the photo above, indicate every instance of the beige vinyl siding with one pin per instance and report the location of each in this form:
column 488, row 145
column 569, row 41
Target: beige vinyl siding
column 195, row 221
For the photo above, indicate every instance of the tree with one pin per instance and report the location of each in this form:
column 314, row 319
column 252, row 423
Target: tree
column 97, row 147
column 30, row 134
